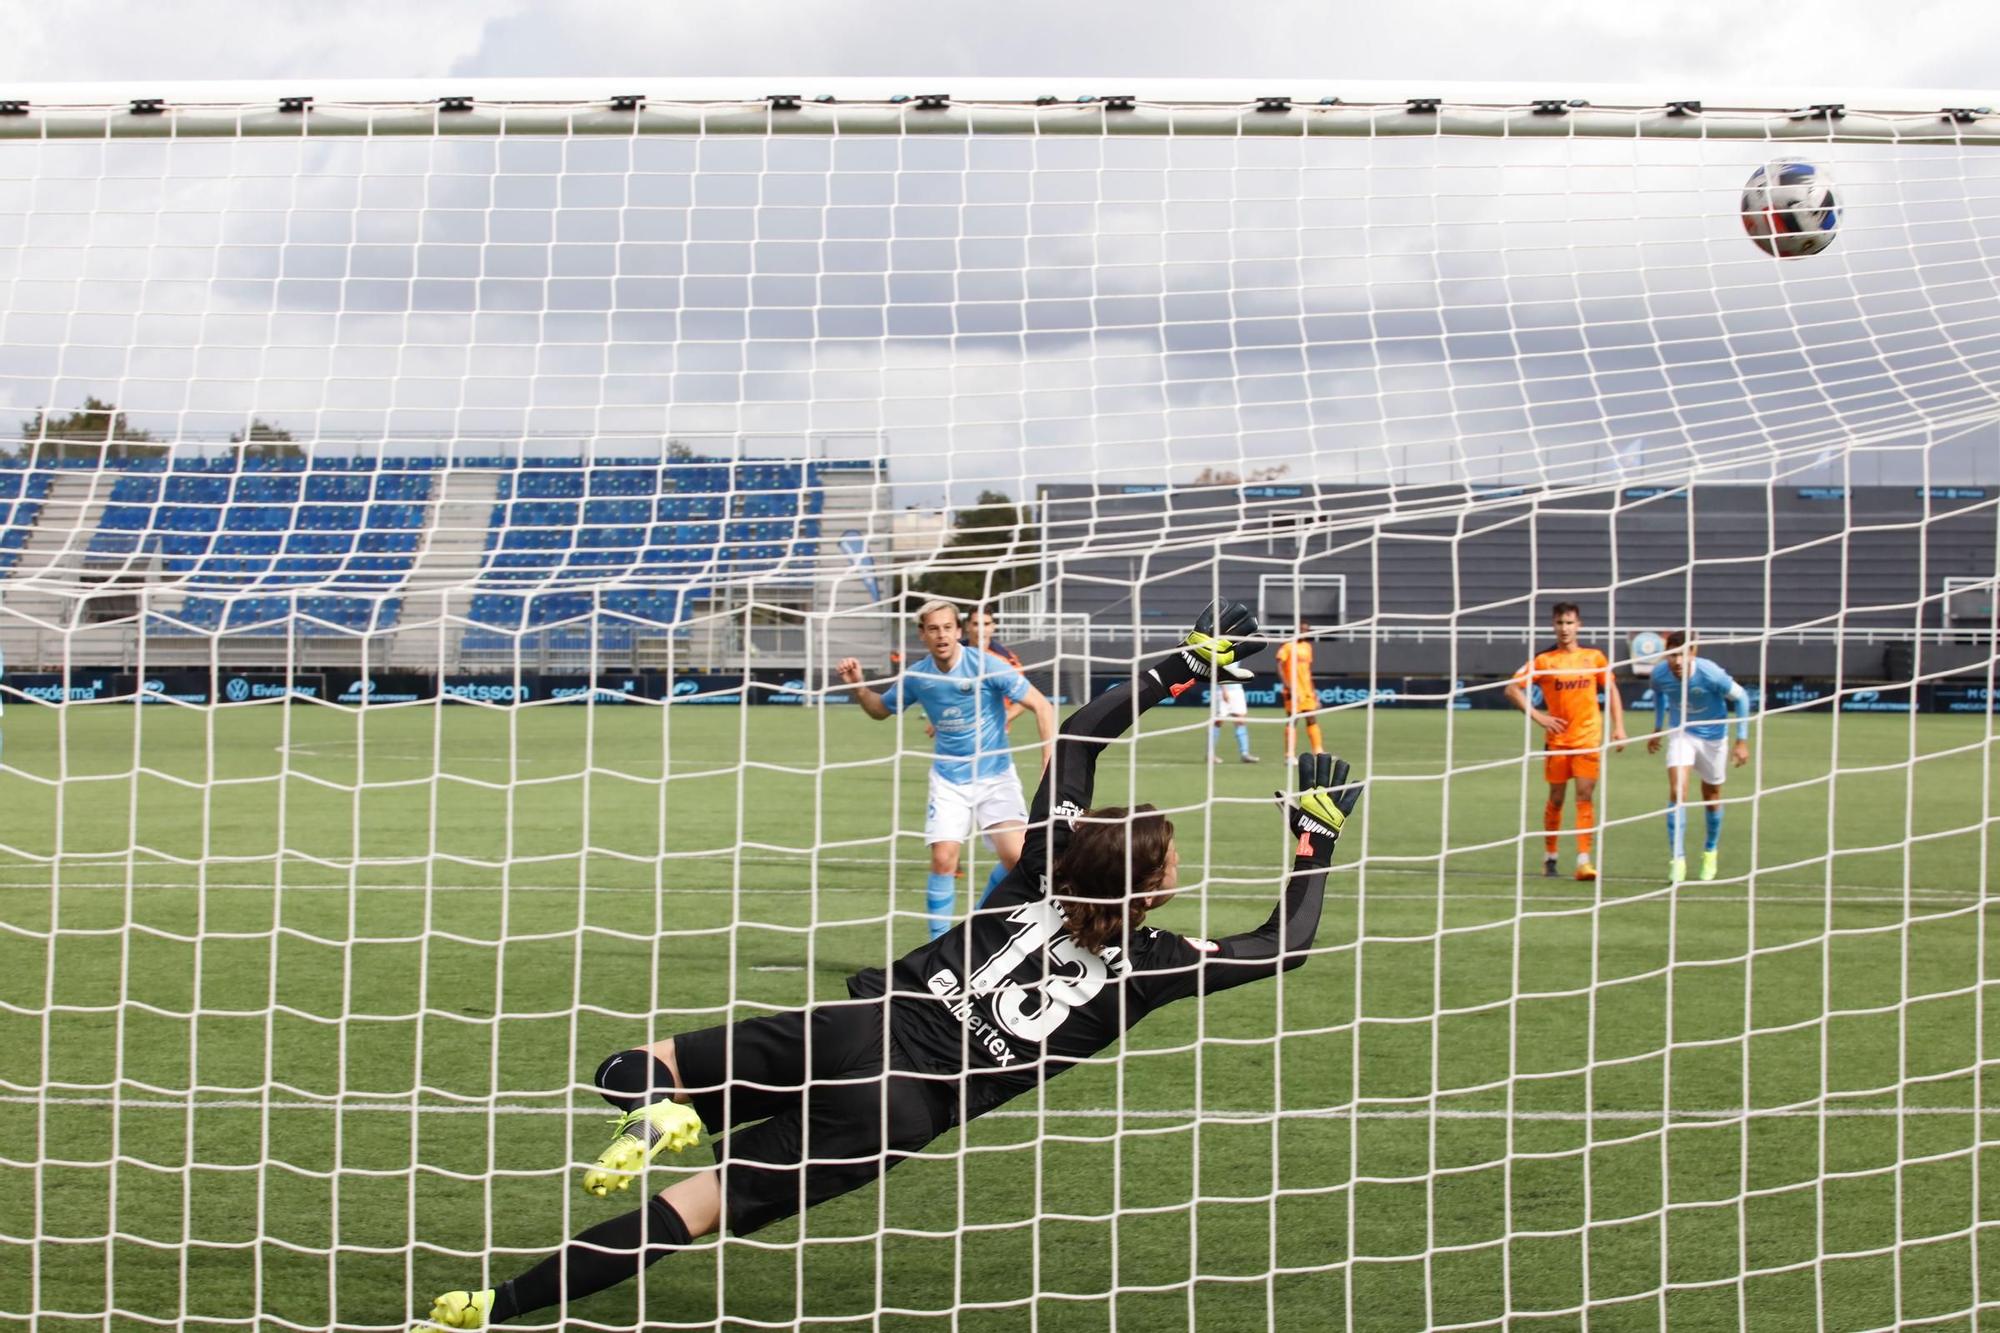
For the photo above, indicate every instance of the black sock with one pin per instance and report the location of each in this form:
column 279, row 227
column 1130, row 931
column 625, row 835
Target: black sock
column 601, row 1257
column 632, row 1079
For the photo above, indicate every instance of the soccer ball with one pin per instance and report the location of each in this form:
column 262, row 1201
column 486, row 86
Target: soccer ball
column 1789, row 208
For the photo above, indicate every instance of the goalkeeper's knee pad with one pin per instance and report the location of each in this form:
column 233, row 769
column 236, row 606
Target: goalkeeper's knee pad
column 632, row 1079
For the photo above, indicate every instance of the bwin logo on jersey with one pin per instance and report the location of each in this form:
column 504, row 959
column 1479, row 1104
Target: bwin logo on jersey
column 238, row 689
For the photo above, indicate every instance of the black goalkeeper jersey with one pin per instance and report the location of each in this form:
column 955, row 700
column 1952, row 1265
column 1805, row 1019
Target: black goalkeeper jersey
column 1009, row 999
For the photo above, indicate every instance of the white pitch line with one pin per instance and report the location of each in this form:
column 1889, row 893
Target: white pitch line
column 1233, row 871
column 353, row 751
column 1693, row 1115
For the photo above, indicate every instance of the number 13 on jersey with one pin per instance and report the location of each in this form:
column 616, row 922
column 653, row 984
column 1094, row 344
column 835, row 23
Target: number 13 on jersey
column 1073, row 977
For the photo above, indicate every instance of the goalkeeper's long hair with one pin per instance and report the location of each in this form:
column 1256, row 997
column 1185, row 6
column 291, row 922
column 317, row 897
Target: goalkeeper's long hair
column 1115, row 860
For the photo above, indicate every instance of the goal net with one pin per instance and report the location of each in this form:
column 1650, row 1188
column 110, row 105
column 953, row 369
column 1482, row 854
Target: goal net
column 434, row 528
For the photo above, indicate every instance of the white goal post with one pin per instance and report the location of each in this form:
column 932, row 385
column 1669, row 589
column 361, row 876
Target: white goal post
column 432, row 518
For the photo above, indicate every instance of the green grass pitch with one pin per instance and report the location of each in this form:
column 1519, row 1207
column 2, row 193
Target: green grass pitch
column 1505, row 1098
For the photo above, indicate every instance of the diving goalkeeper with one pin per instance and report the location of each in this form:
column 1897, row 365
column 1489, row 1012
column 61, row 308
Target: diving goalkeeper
column 1053, row 968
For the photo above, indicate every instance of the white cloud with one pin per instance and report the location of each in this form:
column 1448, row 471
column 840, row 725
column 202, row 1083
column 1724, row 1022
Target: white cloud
column 1213, row 367
column 128, row 40
column 1704, row 47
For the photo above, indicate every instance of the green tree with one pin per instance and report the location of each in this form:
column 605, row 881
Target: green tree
column 263, row 440
column 95, row 431
column 993, row 549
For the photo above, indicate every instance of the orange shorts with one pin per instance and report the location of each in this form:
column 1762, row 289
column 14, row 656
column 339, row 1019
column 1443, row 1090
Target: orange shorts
column 1562, row 765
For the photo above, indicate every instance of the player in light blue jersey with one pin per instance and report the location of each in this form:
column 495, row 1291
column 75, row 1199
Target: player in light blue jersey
column 1692, row 698
column 973, row 786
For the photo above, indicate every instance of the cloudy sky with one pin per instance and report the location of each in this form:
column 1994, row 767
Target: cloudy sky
column 1703, row 46
column 1003, row 311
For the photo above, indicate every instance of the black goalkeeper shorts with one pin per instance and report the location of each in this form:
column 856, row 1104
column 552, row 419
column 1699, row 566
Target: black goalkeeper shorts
column 832, row 1117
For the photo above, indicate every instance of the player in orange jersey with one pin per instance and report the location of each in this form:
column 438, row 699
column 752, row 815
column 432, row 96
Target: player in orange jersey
column 1570, row 677
column 1296, row 689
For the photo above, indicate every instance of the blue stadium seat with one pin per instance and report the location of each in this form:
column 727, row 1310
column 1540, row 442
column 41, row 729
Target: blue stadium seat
column 19, row 509
column 327, row 525
column 550, row 484
column 322, row 488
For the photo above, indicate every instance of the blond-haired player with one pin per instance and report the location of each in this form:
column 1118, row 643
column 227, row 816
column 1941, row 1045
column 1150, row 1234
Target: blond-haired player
column 973, row 786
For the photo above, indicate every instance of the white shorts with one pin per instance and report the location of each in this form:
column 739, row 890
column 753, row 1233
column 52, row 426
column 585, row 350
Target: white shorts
column 1709, row 759
column 1229, row 700
column 957, row 810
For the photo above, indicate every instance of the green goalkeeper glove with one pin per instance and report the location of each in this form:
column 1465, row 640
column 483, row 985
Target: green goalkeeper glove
column 1319, row 811
column 1218, row 641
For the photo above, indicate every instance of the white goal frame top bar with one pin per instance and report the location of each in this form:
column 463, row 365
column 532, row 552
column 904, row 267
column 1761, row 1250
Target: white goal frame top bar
column 1274, row 108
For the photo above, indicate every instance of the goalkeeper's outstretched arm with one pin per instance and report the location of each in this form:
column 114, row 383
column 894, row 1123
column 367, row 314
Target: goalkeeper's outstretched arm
column 1317, row 814
column 1222, row 636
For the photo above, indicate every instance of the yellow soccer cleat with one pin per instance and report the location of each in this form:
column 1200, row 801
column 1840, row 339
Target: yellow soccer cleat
column 642, row 1135
column 459, row 1309
column 1708, row 865
column 1677, row 870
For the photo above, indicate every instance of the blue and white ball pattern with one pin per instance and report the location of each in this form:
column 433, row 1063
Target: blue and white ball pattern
column 1789, row 208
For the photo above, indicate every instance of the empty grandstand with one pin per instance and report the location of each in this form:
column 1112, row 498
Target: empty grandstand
column 1815, row 581
column 416, row 560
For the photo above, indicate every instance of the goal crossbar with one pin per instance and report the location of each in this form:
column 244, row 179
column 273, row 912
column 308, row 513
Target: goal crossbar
column 390, row 110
